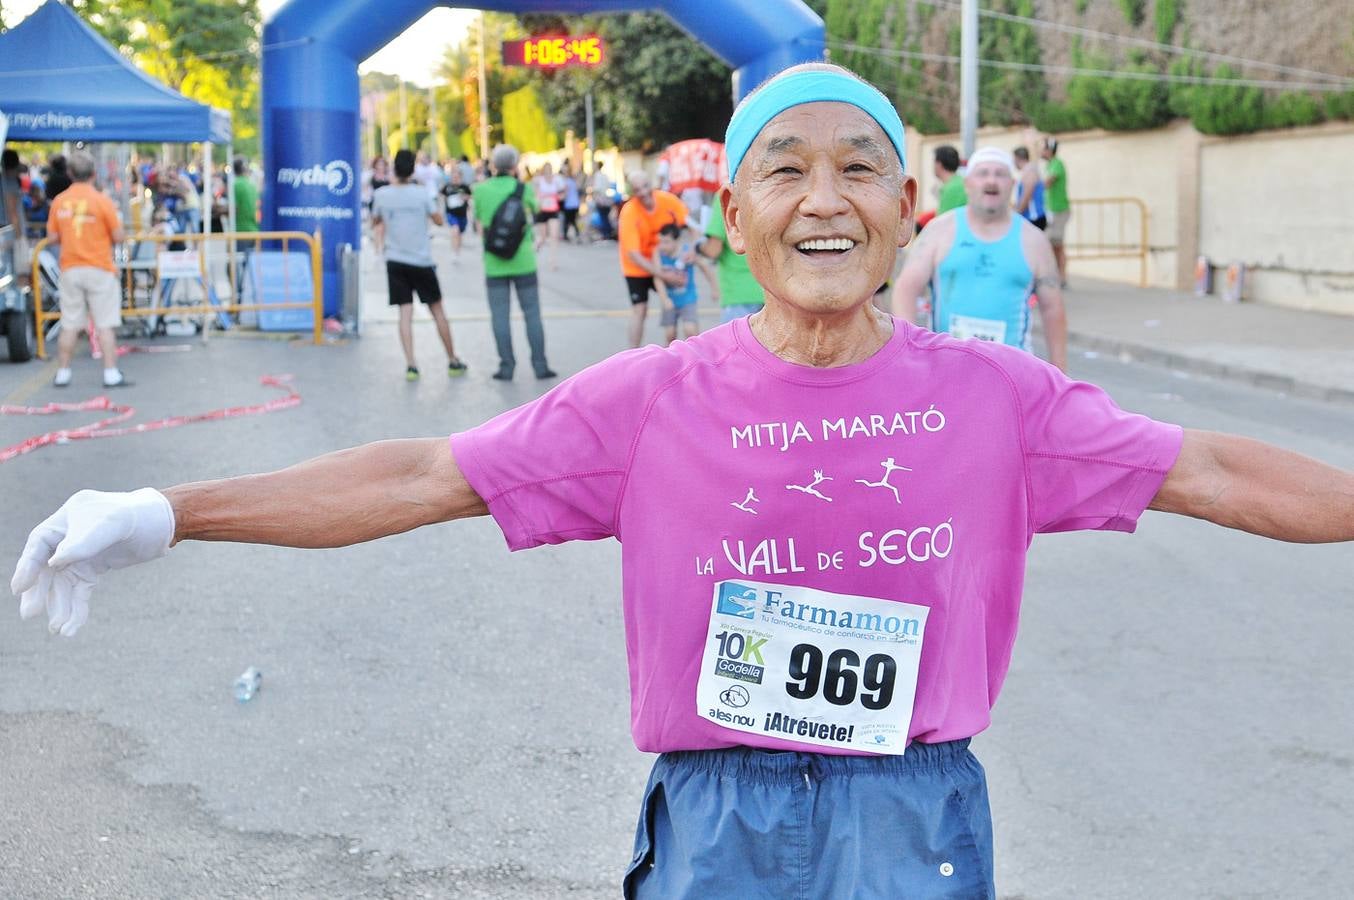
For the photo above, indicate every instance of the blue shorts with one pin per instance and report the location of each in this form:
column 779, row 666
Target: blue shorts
column 744, row 823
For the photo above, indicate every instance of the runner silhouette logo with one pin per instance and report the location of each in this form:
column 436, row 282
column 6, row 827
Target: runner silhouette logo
column 736, row 696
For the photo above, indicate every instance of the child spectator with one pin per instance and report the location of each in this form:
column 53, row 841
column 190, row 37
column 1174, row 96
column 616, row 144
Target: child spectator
column 677, row 282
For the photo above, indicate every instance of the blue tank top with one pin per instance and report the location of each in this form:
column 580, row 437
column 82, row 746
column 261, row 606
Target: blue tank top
column 982, row 289
column 1036, row 209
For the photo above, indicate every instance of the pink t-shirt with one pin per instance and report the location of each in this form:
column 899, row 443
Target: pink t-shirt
column 918, row 477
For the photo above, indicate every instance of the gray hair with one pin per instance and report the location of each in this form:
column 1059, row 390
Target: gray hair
column 80, row 166
column 504, row 158
column 639, row 179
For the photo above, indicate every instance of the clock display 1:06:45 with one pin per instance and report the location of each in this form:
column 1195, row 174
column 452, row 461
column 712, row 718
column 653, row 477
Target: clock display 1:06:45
column 562, row 51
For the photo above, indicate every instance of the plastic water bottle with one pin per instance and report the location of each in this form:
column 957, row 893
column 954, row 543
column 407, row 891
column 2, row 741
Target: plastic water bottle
column 248, row 684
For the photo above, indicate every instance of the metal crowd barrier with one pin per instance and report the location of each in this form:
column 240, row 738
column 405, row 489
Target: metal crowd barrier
column 143, row 260
column 1094, row 218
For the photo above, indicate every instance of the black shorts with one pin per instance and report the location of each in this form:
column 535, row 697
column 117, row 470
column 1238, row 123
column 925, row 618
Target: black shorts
column 406, row 280
column 546, row 216
column 639, row 288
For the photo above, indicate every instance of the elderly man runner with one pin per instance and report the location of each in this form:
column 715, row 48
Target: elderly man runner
column 813, row 719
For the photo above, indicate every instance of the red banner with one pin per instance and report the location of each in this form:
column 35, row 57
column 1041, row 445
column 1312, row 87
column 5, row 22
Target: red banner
column 696, row 164
column 103, row 428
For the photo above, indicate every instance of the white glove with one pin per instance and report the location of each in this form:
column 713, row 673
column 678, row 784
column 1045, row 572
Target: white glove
column 92, row 533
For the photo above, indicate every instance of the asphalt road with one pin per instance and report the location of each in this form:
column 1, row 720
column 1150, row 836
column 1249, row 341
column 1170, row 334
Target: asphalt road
column 440, row 720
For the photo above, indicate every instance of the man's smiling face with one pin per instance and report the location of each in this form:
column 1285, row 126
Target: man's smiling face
column 820, row 207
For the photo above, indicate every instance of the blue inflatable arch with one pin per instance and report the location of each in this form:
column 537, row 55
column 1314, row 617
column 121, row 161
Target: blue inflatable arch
column 310, row 121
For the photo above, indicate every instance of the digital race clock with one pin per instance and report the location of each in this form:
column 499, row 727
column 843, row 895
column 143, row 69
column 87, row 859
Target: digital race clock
column 547, row 52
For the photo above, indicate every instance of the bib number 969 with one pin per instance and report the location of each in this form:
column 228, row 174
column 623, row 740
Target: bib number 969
column 843, row 679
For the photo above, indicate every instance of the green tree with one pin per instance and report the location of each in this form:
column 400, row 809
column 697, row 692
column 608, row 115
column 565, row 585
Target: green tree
column 1227, row 108
column 1134, row 11
column 525, row 123
column 458, row 100
column 1118, row 104
column 1166, row 15
column 415, row 119
column 925, row 94
column 205, row 49
column 1015, row 95
column 1290, row 109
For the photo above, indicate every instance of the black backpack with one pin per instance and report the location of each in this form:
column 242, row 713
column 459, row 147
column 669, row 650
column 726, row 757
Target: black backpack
column 508, row 226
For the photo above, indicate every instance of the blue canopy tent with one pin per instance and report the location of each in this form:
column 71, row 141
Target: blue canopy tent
column 61, row 81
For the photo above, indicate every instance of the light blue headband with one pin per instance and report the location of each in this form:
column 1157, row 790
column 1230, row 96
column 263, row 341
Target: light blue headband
column 807, row 87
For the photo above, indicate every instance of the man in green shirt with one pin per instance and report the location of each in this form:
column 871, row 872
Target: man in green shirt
column 952, row 193
column 502, row 275
column 739, row 293
column 246, row 197
column 1059, row 207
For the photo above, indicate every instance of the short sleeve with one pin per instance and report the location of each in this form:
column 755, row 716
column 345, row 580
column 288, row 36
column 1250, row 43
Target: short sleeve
column 677, row 209
column 1090, row 464
column 553, row 470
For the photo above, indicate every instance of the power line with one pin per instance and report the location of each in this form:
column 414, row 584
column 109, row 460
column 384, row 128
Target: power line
column 1146, row 44
column 1169, row 77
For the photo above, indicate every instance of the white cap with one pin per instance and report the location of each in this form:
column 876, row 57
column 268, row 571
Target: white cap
column 992, row 155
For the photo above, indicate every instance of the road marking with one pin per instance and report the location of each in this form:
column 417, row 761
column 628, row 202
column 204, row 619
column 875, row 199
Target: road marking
column 19, row 396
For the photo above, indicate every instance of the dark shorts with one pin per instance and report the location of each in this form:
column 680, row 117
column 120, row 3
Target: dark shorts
column 405, row 281
column 751, row 823
column 639, row 288
column 1041, row 223
column 546, row 216
column 456, row 218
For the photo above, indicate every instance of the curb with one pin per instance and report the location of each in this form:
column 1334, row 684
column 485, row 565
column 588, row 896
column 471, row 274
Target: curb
column 1285, row 384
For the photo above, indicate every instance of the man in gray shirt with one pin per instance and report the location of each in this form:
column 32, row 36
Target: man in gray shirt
column 400, row 214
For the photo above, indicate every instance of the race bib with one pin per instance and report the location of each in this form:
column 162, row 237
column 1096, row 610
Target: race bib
column 978, row 329
column 811, row 666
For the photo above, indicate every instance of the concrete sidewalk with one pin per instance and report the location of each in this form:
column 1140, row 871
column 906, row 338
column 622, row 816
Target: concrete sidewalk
column 1306, row 354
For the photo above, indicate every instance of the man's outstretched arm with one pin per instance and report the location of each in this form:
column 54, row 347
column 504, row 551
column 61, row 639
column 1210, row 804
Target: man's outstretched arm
column 1253, row 486
column 341, row 498
column 331, row 501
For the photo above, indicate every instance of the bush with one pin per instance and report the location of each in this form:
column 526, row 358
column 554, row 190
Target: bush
column 1290, row 110
column 1117, row 104
column 1167, row 16
column 1340, row 106
column 1134, row 11
column 1227, row 108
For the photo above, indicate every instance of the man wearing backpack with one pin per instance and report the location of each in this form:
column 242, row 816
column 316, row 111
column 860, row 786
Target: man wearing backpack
column 505, row 208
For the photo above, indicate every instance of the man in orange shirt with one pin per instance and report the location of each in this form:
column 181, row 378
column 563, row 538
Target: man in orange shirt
column 85, row 222
column 641, row 218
